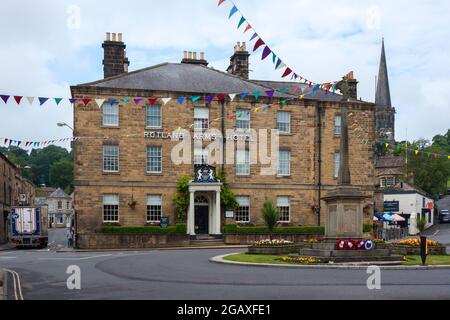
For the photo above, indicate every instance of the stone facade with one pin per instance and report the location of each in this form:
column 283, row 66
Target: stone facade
column 12, row 186
column 312, row 143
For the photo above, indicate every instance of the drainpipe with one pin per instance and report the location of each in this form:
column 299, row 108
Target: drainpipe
column 222, row 104
column 319, row 160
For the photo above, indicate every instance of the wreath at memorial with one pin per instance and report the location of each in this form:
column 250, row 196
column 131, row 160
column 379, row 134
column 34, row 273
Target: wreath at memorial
column 342, row 245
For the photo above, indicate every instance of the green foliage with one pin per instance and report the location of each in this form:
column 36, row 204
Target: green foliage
column 234, row 229
column 61, row 174
column 181, row 198
column 178, row 229
column 40, row 162
column 271, row 215
column 368, row 228
column 421, row 224
column 227, row 197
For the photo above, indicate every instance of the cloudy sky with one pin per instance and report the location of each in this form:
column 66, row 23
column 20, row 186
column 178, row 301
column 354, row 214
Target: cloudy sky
column 45, row 48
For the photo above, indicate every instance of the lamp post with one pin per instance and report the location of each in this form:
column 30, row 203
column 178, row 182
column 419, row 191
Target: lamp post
column 63, row 124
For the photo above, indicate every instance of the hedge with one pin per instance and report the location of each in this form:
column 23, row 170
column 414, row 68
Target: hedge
column 234, row 229
column 368, row 228
column 178, row 229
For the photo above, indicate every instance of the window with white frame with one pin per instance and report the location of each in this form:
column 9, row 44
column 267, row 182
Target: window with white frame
column 243, row 119
column 200, row 155
column 154, row 159
column 60, row 205
column 284, row 122
column 284, row 205
column 111, row 208
column 110, row 115
column 154, row 208
column 110, row 158
column 337, row 164
column 243, row 211
column 337, row 125
column 284, row 163
column 388, row 182
column 243, row 162
column 154, row 117
column 201, row 118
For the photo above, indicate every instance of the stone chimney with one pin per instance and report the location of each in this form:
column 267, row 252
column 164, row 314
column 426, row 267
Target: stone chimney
column 348, row 86
column 115, row 60
column 239, row 62
column 194, row 58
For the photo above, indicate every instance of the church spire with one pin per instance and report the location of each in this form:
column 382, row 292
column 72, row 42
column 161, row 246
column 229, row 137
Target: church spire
column 383, row 94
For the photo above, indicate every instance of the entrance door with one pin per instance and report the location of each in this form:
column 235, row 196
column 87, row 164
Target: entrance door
column 201, row 215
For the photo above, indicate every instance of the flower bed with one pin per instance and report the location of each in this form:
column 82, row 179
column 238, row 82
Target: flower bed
column 411, row 247
column 300, row 260
column 273, row 247
column 416, row 243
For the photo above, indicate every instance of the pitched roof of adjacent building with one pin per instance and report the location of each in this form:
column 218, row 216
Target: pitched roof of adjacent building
column 405, row 188
column 196, row 78
column 383, row 94
column 390, row 162
column 59, row 193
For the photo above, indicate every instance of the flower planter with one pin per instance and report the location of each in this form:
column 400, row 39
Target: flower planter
column 403, row 250
column 274, row 250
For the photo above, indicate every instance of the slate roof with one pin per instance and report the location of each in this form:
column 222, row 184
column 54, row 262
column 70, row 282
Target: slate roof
column 406, row 188
column 390, row 162
column 59, row 193
column 183, row 77
column 305, row 89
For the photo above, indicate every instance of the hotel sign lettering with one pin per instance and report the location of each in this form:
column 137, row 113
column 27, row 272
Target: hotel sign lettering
column 196, row 136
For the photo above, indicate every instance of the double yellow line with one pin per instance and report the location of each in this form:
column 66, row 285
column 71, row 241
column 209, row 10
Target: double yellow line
column 17, row 285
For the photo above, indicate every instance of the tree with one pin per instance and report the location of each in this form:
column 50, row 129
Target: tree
column 42, row 159
column 61, row 175
column 182, row 198
column 271, row 215
column 421, row 224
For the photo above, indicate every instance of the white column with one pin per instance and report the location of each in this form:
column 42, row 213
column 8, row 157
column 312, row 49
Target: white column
column 217, row 218
column 191, row 215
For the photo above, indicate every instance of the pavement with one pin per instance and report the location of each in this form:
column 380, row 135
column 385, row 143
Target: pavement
column 440, row 233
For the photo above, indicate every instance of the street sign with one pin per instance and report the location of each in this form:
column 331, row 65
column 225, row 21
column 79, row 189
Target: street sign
column 164, row 222
column 392, row 206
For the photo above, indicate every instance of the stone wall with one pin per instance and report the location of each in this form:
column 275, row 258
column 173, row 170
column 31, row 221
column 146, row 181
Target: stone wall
column 412, row 251
column 123, row 241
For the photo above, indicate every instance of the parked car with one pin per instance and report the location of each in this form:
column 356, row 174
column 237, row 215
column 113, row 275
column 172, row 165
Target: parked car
column 444, row 216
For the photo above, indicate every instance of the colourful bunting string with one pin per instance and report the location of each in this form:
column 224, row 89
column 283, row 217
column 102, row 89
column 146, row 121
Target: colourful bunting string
column 233, row 11
column 18, row 99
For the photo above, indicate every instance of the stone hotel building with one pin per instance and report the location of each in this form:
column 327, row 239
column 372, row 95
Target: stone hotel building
column 124, row 173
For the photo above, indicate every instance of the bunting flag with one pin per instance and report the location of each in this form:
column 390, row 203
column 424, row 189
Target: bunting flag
column 196, row 98
column 256, row 94
column 209, row 99
column 278, row 63
column 86, row 101
column 181, row 100
column 42, row 101
column 138, row 101
column 4, row 98
column 30, row 100
column 244, row 95
column 100, row 102
column 18, row 99
column 270, row 93
column 72, row 100
column 166, row 100
column 233, row 11
column 232, row 96
column 112, row 101
column 152, row 101
column 58, row 101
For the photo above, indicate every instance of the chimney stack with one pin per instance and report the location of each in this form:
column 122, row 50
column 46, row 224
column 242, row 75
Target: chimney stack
column 239, row 62
column 115, row 60
column 190, row 57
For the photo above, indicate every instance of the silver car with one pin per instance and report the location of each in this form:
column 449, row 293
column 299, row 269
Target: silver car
column 444, row 216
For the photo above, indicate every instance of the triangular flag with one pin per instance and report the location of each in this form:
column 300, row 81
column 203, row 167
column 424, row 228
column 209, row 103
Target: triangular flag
column 100, row 102
column 244, row 95
column 18, row 99
column 42, row 100
column 181, row 100
column 247, row 28
column 152, row 101
column 270, row 93
column 220, row 2
column 112, row 101
column 258, row 44
column 86, row 101
column 274, row 57
column 196, row 98
column 281, row 66
column 256, row 94
column 287, row 72
column 278, row 64
column 266, row 52
column 254, row 36
column 5, row 98
column 241, row 22
column 72, row 101
column 30, row 100
column 138, row 101
column 125, row 100
column 283, row 103
column 232, row 96
column 58, row 101
column 166, row 100
column 209, row 99
column 221, row 97
column 233, row 11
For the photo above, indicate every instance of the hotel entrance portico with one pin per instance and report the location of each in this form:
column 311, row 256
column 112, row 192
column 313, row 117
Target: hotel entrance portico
column 204, row 216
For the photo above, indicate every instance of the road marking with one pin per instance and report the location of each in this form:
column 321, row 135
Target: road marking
column 17, row 285
column 77, row 259
column 436, row 232
column 7, row 258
